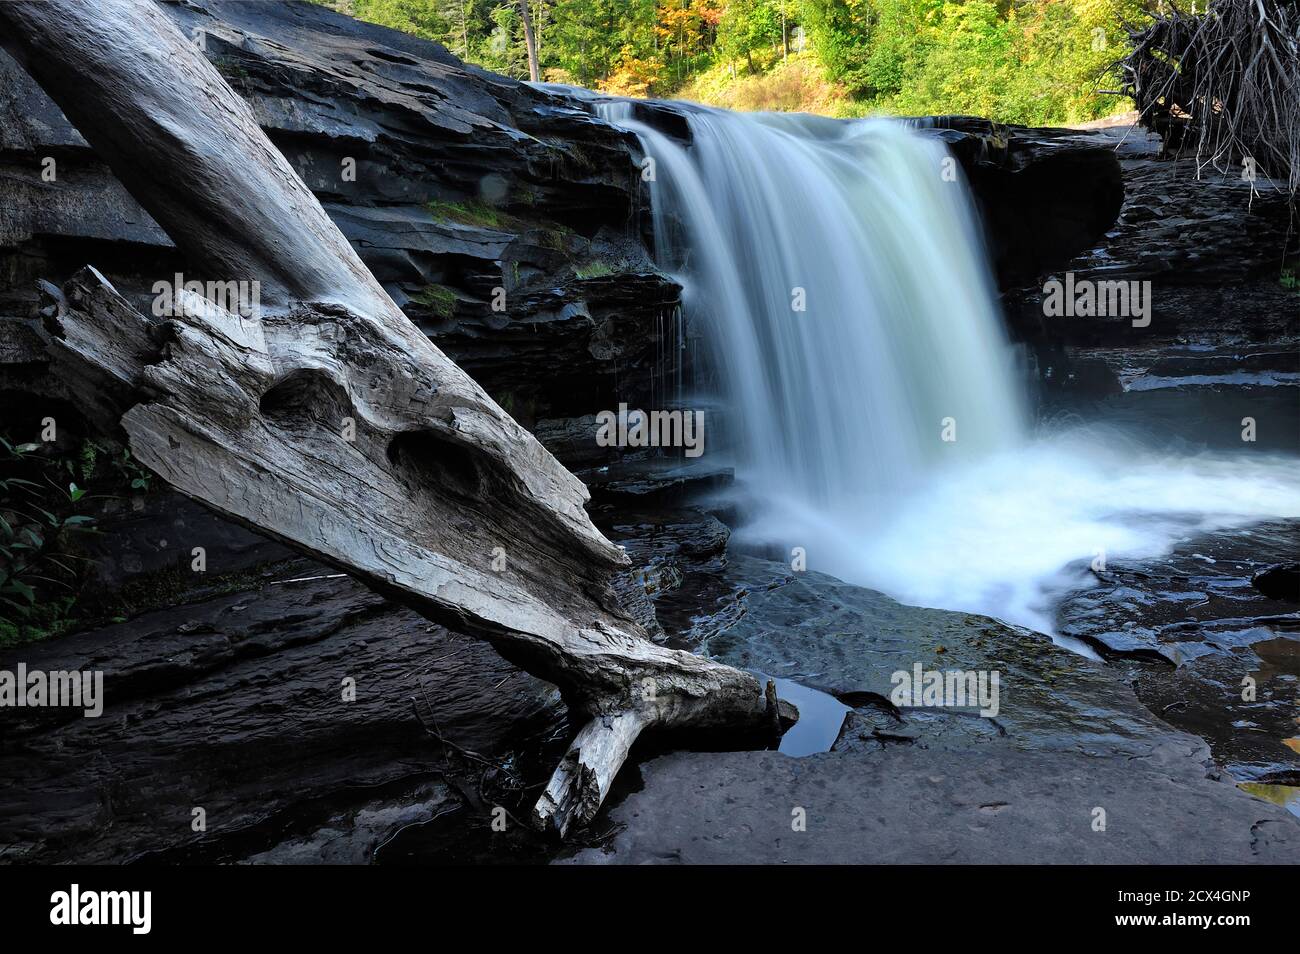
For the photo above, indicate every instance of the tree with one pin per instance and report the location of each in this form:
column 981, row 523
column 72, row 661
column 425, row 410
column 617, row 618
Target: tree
column 417, row 17
column 589, row 38
column 840, row 34
column 686, row 30
column 530, row 41
column 747, row 25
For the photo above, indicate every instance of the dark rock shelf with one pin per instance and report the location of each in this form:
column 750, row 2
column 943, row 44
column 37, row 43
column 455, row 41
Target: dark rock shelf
column 916, row 786
column 235, row 705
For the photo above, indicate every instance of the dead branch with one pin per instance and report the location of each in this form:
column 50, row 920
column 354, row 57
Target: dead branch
column 1224, row 85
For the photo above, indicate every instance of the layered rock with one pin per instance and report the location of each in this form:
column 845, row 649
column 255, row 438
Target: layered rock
column 1209, row 253
column 1044, row 195
column 307, row 718
column 460, row 190
column 1203, row 646
column 505, row 220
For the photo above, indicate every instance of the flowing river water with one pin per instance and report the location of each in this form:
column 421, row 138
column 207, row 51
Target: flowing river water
column 869, row 400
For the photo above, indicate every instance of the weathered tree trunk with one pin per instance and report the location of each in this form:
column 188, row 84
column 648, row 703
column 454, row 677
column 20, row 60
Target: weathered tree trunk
column 327, row 419
column 530, row 41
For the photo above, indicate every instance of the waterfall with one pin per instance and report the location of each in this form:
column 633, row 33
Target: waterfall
column 835, row 272
column 835, row 416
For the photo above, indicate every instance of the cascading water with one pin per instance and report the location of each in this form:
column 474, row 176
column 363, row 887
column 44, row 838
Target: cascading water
column 837, row 411
column 840, row 345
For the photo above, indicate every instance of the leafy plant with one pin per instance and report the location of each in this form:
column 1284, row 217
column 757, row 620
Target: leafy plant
column 52, row 494
column 130, row 471
column 40, row 518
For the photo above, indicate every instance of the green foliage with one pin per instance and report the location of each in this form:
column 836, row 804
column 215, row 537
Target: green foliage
column 965, row 66
column 40, row 515
column 46, row 518
column 130, row 471
column 588, row 39
column 748, row 25
column 1034, row 62
column 439, row 299
column 1027, row 61
column 1031, row 61
column 796, row 83
column 427, row 18
column 841, row 35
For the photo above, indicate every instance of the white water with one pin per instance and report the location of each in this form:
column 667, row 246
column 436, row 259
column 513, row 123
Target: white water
column 835, row 414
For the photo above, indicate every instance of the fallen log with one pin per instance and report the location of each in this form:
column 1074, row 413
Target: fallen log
column 324, row 417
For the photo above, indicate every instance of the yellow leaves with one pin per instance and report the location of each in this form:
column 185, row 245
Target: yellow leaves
column 632, row 76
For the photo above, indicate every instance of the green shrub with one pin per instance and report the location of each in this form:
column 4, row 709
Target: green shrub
column 41, row 514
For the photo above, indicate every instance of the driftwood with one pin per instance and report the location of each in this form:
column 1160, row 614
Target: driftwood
column 327, row 419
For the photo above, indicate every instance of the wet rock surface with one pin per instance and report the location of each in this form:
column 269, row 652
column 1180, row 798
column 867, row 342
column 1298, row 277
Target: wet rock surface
column 1281, row 581
column 1203, row 647
column 667, row 547
column 1044, row 195
column 233, row 704
column 849, row 641
column 918, row 785
column 654, row 481
column 903, row 806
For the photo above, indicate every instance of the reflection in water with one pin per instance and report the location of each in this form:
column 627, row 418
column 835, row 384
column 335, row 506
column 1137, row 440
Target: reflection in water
column 821, row 717
column 1288, row 796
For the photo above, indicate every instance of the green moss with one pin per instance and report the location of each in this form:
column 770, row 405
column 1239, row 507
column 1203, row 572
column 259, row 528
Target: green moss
column 44, row 620
column 553, row 234
column 553, row 238
column 230, row 68
column 595, row 270
column 439, row 299
column 474, row 213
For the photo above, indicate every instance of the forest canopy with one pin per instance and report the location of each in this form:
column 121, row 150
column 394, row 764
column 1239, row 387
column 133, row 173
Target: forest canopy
column 1025, row 61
